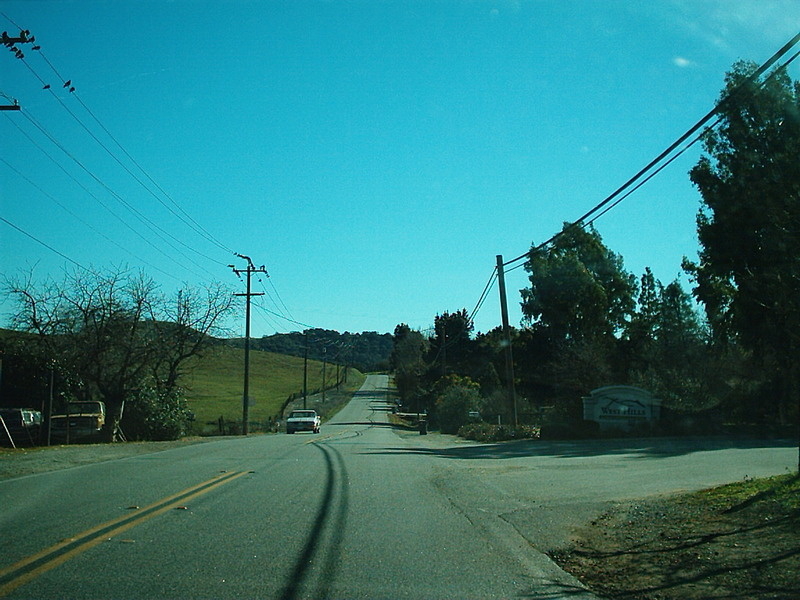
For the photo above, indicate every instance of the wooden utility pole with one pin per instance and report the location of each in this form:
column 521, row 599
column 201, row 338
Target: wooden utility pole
column 246, row 393
column 324, row 367
column 305, row 372
column 501, row 280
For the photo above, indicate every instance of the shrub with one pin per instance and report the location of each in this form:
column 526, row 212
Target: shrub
column 486, row 432
column 455, row 398
column 153, row 416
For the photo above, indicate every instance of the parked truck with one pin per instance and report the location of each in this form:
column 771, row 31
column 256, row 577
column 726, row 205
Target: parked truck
column 82, row 421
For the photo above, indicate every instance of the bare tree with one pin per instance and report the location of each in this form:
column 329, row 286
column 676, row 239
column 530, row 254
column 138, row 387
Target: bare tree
column 115, row 332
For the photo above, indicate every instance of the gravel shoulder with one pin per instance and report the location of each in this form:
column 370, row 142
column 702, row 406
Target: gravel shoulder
column 29, row 461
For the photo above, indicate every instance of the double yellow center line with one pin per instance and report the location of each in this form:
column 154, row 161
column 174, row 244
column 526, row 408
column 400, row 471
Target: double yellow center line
column 33, row 566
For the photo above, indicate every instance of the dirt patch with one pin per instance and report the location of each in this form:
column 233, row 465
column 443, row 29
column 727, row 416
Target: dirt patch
column 29, row 461
column 692, row 547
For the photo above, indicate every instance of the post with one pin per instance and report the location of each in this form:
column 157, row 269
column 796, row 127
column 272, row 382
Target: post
column 305, row 373
column 444, row 348
column 50, row 404
column 512, row 394
column 324, row 366
column 246, row 393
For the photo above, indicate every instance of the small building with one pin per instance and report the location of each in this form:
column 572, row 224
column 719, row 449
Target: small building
column 621, row 407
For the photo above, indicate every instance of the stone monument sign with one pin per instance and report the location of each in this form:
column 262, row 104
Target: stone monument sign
column 621, row 407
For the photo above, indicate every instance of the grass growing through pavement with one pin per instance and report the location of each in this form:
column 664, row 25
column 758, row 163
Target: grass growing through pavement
column 214, row 384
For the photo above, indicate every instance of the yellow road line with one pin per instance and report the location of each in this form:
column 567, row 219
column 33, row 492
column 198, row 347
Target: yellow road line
column 33, row 558
column 323, row 438
column 172, row 501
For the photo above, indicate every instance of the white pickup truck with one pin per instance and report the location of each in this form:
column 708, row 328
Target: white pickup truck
column 303, row 420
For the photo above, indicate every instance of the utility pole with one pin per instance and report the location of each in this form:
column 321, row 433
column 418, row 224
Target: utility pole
column 246, row 393
column 9, row 42
column 305, row 372
column 324, row 366
column 50, row 403
column 444, row 348
column 512, row 393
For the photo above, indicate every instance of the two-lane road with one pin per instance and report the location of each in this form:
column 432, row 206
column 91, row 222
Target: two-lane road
column 358, row 511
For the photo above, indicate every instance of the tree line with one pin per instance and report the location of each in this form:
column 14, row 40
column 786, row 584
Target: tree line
column 723, row 352
column 366, row 351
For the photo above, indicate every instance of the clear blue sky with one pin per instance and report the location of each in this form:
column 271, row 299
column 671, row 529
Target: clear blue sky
column 375, row 156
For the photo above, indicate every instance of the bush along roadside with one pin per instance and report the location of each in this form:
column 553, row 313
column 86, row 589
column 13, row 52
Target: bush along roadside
column 486, row 432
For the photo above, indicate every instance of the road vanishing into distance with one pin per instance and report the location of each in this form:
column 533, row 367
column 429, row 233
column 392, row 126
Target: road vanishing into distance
column 361, row 510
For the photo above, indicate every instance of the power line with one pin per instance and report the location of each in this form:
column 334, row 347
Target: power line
column 143, row 218
column 696, row 139
column 188, row 220
column 485, row 294
column 713, row 112
column 46, row 245
column 85, row 189
column 158, row 231
column 609, row 202
column 64, row 207
column 266, row 291
column 180, row 213
column 277, row 294
column 285, row 318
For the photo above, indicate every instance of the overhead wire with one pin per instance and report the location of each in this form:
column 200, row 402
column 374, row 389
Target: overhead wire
column 45, row 244
column 174, row 209
column 158, row 231
column 183, row 216
column 487, row 288
column 98, row 200
column 277, row 294
column 258, row 303
column 267, row 315
column 683, row 150
column 64, row 207
column 284, row 318
column 612, row 201
column 144, row 219
column 155, row 228
column 266, row 291
column 697, row 126
column 610, row 206
column 187, row 219
column 7, row 18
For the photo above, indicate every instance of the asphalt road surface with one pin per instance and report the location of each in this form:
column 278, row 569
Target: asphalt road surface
column 360, row 510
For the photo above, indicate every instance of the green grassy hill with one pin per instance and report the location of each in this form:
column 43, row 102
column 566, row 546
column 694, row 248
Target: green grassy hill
column 214, row 384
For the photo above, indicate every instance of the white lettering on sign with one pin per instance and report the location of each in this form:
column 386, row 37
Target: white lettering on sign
column 624, row 412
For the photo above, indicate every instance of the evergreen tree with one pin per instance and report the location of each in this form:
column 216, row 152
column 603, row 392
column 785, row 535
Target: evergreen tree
column 748, row 275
